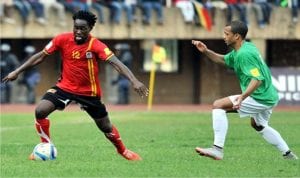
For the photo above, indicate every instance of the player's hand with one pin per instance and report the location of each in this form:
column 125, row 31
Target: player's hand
column 10, row 77
column 140, row 88
column 200, row 46
column 237, row 102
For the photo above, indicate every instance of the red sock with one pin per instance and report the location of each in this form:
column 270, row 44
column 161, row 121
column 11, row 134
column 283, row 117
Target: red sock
column 42, row 126
column 115, row 138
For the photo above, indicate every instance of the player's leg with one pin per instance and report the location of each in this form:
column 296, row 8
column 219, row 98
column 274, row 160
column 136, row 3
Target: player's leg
column 97, row 111
column 260, row 115
column 52, row 100
column 42, row 123
column 220, row 121
column 272, row 136
column 112, row 134
column 220, row 126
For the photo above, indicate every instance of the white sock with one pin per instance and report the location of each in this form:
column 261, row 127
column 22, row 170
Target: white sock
column 273, row 137
column 220, row 126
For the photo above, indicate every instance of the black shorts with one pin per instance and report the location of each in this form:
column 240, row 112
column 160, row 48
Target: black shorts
column 60, row 98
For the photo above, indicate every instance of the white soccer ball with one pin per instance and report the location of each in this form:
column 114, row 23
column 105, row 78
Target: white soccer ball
column 44, row 152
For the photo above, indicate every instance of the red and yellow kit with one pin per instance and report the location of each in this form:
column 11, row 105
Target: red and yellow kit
column 79, row 63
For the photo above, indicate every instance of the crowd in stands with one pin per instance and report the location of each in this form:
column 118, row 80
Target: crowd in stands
column 29, row 79
column 42, row 9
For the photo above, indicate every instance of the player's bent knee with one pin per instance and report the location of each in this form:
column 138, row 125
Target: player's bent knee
column 41, row 113
column 257, row 127
column 44, row 108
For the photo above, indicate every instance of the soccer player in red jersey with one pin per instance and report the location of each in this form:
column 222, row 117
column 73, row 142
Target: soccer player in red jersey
column 79, row 81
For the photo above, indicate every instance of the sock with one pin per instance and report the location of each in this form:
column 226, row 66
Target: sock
column 115, row 138
column 274, row 138
column 220, row 126
column 42, row 126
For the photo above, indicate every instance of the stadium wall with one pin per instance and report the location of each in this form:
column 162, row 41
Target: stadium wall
column 174, row 27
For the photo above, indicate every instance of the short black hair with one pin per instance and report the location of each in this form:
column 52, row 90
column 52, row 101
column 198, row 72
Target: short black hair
column 239, row 27
column 86, row 15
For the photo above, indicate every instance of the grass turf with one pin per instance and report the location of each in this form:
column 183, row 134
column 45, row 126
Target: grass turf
column 166, row 141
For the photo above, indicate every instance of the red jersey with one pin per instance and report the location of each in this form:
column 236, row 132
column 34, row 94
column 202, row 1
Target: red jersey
column 79, row 63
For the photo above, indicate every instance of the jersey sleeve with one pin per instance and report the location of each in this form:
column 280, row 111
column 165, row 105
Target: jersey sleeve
column 53, row 45
column 229, row 59
column 250, row 67
column 102, row 51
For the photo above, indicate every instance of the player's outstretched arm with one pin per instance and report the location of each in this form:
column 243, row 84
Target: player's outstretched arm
column 217, row 58
column 138, row 86
column 32, row 61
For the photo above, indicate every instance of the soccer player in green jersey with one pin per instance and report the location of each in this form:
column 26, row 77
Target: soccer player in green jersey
column 258, row 96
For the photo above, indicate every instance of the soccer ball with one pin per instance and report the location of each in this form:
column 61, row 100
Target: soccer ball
column 44, row 152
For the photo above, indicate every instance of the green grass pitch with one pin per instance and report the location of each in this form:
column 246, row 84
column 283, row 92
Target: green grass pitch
column 165, row 140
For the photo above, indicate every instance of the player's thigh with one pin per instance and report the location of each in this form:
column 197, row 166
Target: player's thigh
column 93, row 106
column 58, row 97
column 223, row 103
column 250, row 106
column 259, row 112
column 262, row 118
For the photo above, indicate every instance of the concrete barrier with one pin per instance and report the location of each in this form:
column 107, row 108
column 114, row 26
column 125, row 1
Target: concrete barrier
column 174, row 27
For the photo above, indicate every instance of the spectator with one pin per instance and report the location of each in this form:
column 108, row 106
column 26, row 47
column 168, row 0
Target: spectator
column 187, row 9
column 98, row 5
column 8, row 62
column 219, row 4
column 266, row 9
column 2, row 14
column 292, row 4
column 125, row 56
column 31, row 77
column 294, row 9
column 262, row 10
column 134, row 6
column 24, row 9
column 38, row 10
column 68, row 5
column 148, row 6
column 58, row 7
column 251, row 5
column 236, row 5
column 6, row 11
column 74, row 5
column 116, row 7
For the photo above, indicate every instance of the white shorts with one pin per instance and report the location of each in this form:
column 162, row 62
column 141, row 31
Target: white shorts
column 259, row 112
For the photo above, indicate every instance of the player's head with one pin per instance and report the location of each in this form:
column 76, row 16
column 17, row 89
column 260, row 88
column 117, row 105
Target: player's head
column 235, row 31
column 84, row 22
column 239, row 27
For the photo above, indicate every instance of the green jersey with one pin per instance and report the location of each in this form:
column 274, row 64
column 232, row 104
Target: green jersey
column 248, row 64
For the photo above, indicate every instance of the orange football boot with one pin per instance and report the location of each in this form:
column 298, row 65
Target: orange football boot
column 130, row 155
column 31, row 156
